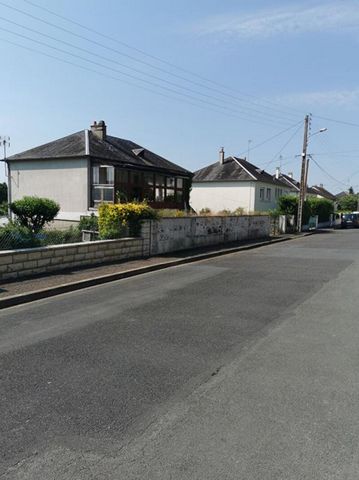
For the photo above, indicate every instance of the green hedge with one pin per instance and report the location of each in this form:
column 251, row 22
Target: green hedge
column 288, row 205
column 114, row 218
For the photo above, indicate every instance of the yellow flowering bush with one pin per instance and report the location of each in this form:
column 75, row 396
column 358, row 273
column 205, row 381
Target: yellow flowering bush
column 115, row 218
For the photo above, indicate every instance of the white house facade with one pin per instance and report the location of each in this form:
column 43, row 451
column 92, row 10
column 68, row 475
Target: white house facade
column 234, row 183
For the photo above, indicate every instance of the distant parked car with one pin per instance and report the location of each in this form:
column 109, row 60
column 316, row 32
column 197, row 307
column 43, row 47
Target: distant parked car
column 350, row 220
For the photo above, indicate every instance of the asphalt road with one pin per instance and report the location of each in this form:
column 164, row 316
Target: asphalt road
column 239, row 367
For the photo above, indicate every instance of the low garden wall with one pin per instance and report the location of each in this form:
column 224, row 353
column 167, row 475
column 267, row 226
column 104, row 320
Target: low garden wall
column 157, row 237
column 33, row 261
column 179, row 233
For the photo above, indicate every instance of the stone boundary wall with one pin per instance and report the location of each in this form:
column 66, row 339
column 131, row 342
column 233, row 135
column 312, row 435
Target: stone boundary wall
column 33, row 261
column 180, row 233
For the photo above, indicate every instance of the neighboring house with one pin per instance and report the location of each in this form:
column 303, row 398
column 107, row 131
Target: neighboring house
column 293, row 185
column 89, row 167
column 320, row 192
column 233, row 183
column 340, row 195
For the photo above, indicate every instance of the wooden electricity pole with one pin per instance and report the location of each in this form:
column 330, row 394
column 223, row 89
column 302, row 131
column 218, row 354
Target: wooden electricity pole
column 303, row 175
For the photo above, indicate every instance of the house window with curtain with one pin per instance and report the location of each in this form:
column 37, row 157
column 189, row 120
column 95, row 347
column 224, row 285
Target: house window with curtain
column 103, row 184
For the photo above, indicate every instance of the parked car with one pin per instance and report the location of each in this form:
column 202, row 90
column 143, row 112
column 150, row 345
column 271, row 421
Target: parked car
column 350, row 220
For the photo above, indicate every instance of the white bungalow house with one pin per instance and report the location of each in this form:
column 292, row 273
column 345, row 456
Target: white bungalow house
column 233, row 183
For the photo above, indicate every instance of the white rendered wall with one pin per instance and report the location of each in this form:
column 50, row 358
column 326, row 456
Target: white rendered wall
column 265, row 205
column 65, row 181
column 219, row 196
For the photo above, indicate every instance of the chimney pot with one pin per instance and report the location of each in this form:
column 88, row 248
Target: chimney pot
column 221, row 156
column 99, row 129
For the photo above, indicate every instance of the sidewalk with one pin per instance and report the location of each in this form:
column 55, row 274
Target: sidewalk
column 22, row 291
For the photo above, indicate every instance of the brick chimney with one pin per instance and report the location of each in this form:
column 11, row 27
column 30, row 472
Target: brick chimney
column 99, row 129
column 221, row 156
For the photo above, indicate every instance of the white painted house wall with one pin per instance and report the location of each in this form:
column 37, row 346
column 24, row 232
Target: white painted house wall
column 263, row 205
column 64, row 180
column 218, row 196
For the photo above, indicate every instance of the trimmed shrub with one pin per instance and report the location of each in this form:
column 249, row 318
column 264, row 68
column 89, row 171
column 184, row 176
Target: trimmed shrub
column 88, row 223
column 33, row 212
column 114, row 218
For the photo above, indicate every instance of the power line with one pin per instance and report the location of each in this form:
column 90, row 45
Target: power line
column 285, row 145
column 122, row 53
column 327, row 173
column 124, row 81
column 271, row 138
column 343, row 122
column 148, row 82
column 125, row 66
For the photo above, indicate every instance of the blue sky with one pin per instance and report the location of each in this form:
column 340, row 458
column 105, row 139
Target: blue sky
column 230, row 72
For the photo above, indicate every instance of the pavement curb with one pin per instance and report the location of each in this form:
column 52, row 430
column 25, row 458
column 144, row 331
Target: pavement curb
column 91, row 282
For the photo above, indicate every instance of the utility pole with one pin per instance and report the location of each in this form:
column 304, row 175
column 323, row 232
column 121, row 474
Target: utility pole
column 5, row 142
column 303, row 175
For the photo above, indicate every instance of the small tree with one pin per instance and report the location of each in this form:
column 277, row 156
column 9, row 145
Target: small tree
column 348, row 203
column 33, row 212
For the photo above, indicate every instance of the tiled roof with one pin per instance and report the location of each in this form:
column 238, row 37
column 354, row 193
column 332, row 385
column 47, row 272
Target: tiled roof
column 319, row 190
column 112, row 149
column 234, row 170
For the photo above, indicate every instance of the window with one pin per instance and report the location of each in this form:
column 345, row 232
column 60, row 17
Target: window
column 269, row 194
column 261, row 194
column 103, row 180
column 148, row 180
column 278, row 192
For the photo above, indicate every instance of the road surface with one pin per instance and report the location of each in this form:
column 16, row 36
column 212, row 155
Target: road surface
column 245, row 366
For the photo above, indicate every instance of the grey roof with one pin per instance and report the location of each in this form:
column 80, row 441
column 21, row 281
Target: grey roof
column 319, row 190
column 291, row 182
column 295, row 184
column 112, row 150
column 234, row 170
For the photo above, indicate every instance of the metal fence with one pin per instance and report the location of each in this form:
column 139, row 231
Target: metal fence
column 17, row 238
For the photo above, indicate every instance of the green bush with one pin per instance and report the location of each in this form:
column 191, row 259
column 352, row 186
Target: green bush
column 205, row 211
column 33, row 212
column 3, row 192
column 348, row 203
column 288, row 205
column 321, row 207
column 88, row 223
column 14, row 236
column 4, row 209
column 58, row 237
column 114, row 218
